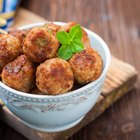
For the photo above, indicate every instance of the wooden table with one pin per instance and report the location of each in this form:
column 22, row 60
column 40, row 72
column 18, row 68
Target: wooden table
column 118, row 22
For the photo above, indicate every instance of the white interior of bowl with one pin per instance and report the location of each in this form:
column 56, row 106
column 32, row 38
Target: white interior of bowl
column 96, row 42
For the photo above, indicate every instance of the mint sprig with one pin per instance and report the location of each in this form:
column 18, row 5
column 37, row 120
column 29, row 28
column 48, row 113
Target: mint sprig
column 65, row 52
column 76, row 32
column 63, row 37
column 70, row 42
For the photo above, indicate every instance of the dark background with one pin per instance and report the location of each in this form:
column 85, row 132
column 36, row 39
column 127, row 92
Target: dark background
column 118, row 23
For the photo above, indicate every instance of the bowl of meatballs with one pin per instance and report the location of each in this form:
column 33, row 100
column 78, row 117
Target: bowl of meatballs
column 51, row 73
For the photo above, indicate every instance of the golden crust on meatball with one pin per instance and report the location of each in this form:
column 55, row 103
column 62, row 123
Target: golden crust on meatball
column 9, row 49
column 86, row 66
column 19, row 34
column 98, row 65
column 52, row 27
column 85, row 38
column 40, row 45
column 54, row 76
column 67, row 26
column 19, row 74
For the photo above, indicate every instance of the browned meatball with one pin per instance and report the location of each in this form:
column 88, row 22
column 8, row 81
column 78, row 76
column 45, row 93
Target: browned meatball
column 67, row 26
column 19, row 74
column 40, row 44
column 54, row 76
column 9, row 49
column 19, row 34
column 85, row 38
column 53, row 28
column 86, row 65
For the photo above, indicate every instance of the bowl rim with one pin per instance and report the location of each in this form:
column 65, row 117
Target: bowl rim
column 70, row 93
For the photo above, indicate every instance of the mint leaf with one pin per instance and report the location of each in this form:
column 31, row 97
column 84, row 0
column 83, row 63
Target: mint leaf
column 77, row 46
column 63, row 37
column 70, row 42
column 65, row 52
column 76, row 32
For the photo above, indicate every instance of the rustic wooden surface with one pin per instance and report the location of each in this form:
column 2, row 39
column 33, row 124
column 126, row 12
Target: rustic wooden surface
column 118, row 22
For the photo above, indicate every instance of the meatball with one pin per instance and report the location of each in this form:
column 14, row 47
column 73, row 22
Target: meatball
column 53, row 28
column 19, row 74
column 19, row 34
column 9, row 49
column 67, row 26
column 40, row 45
column 86, row 65
column 85, row 38
column 54, row 76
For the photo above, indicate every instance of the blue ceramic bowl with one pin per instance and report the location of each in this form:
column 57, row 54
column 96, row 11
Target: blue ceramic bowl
column 61, row 112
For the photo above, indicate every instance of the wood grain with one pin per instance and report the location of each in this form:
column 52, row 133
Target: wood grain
column 118, row 22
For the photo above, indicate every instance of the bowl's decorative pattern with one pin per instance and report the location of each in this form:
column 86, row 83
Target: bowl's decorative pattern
column 43, row 107
column 24, row 103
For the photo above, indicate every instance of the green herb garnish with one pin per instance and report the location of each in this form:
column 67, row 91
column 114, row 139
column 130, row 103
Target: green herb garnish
column 70, row 42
